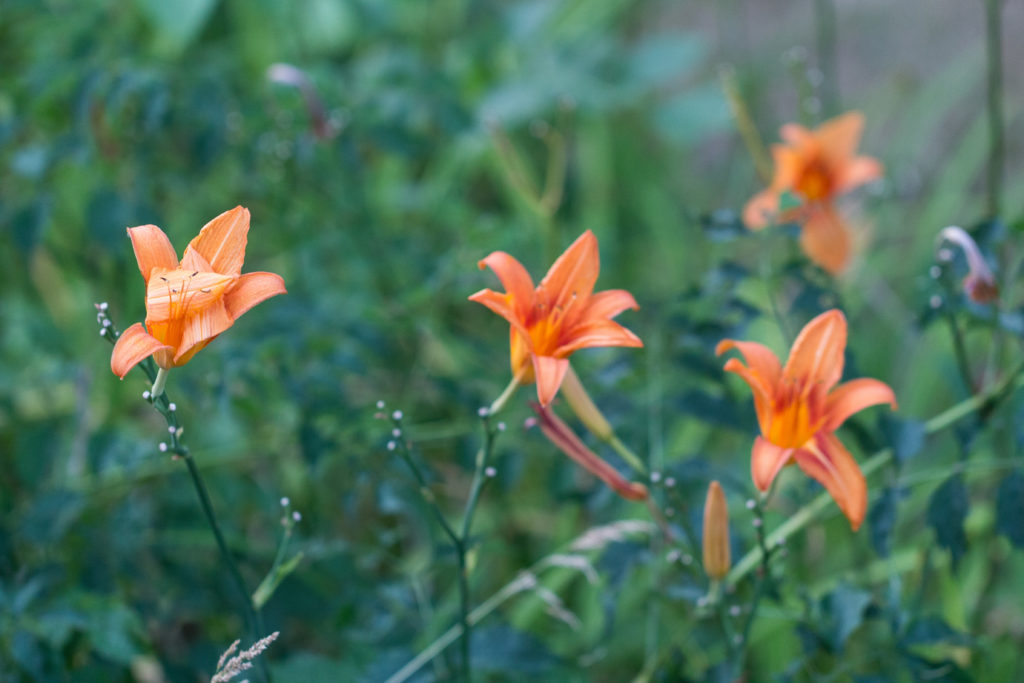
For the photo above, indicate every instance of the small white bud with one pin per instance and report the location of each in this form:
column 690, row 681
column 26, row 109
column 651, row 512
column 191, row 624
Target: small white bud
column 935, row 301
column 145, row 394
column 396, row 432
column 103, row 306
column 757, row 522
column 655, row 477
column 490, row 472
column 397, row 415
column 163, row 447
column 751, row 504
column 380, row 405
column 170, row 430
column 103, row 331
column 734, row 611
column 501, row 426
column 483, row 411
column 297, row 516
column 106, row 322
column 945, row 255
column 285, row 502
column 392, row 445
column 670, row 482
column 935, row 272
column 172, row 407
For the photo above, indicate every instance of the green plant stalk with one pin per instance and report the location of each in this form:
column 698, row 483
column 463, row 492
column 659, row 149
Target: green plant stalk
column 960, row 352
column 525, row 581
column 162, row 404
column 994, row 53
column 825, row 26
column 811, row 510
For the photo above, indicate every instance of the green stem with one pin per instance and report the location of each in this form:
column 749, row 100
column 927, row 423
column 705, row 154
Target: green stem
column 803, row 516
column 960, row 352
column 158, row 384
column 994, row 51
column 825, row 23
column 500, row 402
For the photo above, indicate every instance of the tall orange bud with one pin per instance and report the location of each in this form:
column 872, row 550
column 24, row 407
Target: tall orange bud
column 717, row 559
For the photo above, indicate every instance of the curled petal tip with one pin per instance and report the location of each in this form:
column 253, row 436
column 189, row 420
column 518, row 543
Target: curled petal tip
column 723, row 346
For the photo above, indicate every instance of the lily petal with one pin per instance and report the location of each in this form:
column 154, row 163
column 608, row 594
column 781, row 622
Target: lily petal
column 222, row 241
column 251, row 289
column 827, row 460
column 859, row 171
column 598, row 333
column 825, row 239
column 132, row 347
column 817, row 354
column 839, row 137
column 193, row 261
column 517, row 282
column 761, row 210
column 766, row 461
column 152, row 249
column 500, row 304
column 570, row 444
column 854, row 396
column 171, row 294
column 201, row 328
column 759, row 357
column 609, row 303
column 574, row 273
column 761, row 389
column 549, row 374
column 797, row 135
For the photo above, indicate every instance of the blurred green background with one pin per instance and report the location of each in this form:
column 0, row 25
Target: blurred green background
column 374, row 189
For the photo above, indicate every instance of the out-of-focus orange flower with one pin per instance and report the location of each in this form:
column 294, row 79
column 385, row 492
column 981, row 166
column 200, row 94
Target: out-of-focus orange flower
column 189, row 303
column 817, row 166
column 798, row 410
column 566, row 440
column 563, row 314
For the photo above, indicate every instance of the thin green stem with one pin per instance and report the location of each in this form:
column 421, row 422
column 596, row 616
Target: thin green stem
column 960, row 352
column 994, row 52
column 631, row 458
column 158, row 384
column 826, row 24
column 500, row 402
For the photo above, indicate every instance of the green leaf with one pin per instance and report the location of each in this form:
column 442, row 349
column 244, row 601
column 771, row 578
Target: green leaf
column 947, row 510
column 1010, row 509
column 846, row 604
column 882, row 520
column 176, row 23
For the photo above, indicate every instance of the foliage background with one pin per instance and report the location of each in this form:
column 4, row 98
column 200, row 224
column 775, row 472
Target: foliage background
column 116, row 114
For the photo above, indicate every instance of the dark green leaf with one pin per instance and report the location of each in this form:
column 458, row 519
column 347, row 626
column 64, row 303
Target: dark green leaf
column 947, row 510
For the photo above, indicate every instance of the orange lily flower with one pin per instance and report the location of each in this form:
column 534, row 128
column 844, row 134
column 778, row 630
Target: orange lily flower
column 798, row 410
column 818, row 166
column 189, row 303
column 562, row 315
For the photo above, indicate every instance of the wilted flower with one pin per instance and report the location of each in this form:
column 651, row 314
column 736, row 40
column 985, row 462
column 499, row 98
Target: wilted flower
column 817, row 166
column 566, row 440
column 798, row 410
column 562, row 315
column 979, row 284
column 189, row 303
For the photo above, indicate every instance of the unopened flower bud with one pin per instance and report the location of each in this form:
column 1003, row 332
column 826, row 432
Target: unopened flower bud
column 717, row 558
column 581, row 404
column 980, row 284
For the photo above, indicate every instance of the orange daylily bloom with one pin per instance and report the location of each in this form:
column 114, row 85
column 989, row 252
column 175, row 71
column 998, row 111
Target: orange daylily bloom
column 799, row 407
column 189, row 303
column 818, row 166
column 562, row 315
